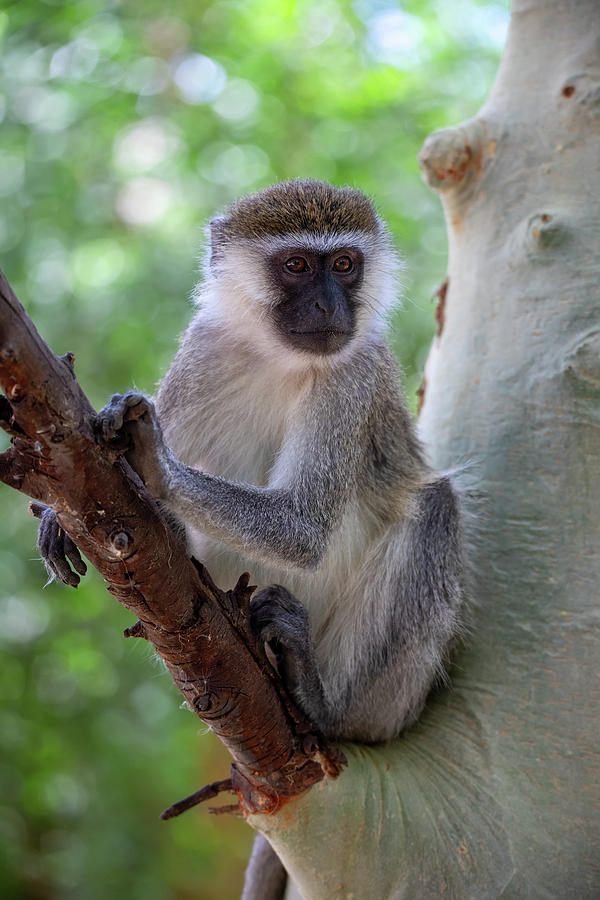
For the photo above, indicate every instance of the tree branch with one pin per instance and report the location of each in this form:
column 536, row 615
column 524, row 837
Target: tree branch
column 201, row 632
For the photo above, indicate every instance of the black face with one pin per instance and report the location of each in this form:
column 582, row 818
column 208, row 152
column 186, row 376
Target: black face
column 318, row 291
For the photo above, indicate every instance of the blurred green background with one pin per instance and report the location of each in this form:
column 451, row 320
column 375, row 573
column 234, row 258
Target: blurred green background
column 123, row 127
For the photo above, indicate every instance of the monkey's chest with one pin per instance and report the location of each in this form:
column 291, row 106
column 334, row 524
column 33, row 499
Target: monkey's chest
column 238, row 431
column 244, row 453
column 241, row 455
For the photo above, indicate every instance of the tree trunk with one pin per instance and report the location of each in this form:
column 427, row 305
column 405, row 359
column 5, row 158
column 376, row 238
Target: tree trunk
column 491, row 793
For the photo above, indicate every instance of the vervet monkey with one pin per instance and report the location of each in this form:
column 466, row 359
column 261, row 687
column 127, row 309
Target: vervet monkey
column 281, row 439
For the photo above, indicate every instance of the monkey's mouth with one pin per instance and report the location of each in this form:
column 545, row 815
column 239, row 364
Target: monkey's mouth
column 319, row 340
column 321, row 332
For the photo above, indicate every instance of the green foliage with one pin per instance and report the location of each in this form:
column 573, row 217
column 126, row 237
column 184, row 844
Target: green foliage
column 125, row 126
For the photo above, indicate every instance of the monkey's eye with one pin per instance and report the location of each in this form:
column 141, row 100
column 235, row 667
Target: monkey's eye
column 296, row 264
column 343, row 264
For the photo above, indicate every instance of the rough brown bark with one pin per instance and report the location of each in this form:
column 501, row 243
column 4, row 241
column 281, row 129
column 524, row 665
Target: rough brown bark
column 201, row 632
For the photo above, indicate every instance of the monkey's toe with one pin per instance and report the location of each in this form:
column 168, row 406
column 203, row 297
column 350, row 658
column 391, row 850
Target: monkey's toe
column 278, row 618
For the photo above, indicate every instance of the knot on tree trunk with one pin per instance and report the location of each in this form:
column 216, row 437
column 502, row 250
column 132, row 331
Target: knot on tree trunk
column 452, row 157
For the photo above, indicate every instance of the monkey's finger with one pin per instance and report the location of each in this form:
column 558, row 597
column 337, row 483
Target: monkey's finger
column 137, row 407
column 111, row 422
column 63, row 570
column 52, row 550
column 110, row 418
column 73, row 554
column 132, row 398
column 56, row 555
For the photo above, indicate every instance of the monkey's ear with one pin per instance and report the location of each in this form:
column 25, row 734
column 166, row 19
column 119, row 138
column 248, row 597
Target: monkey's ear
column 216, row 230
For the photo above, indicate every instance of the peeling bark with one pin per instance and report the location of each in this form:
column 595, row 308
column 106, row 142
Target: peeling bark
column 201, row 632
column 440, row 310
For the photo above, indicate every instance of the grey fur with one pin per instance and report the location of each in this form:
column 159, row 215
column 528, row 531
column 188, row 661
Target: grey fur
column 347, row 464
column 305, row 470
column 317, row 481
column 265, row 876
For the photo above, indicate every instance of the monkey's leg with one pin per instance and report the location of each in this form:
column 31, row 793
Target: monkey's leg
column 282, row 622
column 265, row 876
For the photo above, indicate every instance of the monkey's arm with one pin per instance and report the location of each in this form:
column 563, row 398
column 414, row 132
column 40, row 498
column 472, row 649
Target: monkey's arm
column 290, row 520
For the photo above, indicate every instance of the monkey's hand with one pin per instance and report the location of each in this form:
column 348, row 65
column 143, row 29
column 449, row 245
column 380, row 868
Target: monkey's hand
column 282, row 622
column 129, row 422
column 57, row 548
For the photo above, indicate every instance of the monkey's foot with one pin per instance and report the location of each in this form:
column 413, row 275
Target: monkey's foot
column 280, row 621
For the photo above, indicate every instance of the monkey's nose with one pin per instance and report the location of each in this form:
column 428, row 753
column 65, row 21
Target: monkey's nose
column 324, row 308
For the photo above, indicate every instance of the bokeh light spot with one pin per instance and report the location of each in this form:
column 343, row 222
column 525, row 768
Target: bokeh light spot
column 96, row 264
column 238, row 101
column 144, row 201
column 199, row 78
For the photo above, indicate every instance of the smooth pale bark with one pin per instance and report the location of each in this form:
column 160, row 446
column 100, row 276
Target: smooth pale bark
column 494, row 793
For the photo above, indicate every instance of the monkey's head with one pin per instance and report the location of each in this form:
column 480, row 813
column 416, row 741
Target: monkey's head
column 303, row 262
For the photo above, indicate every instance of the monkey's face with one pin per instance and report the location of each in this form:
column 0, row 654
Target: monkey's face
column 301, row 271
column 317, row 291
column 302, row 299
